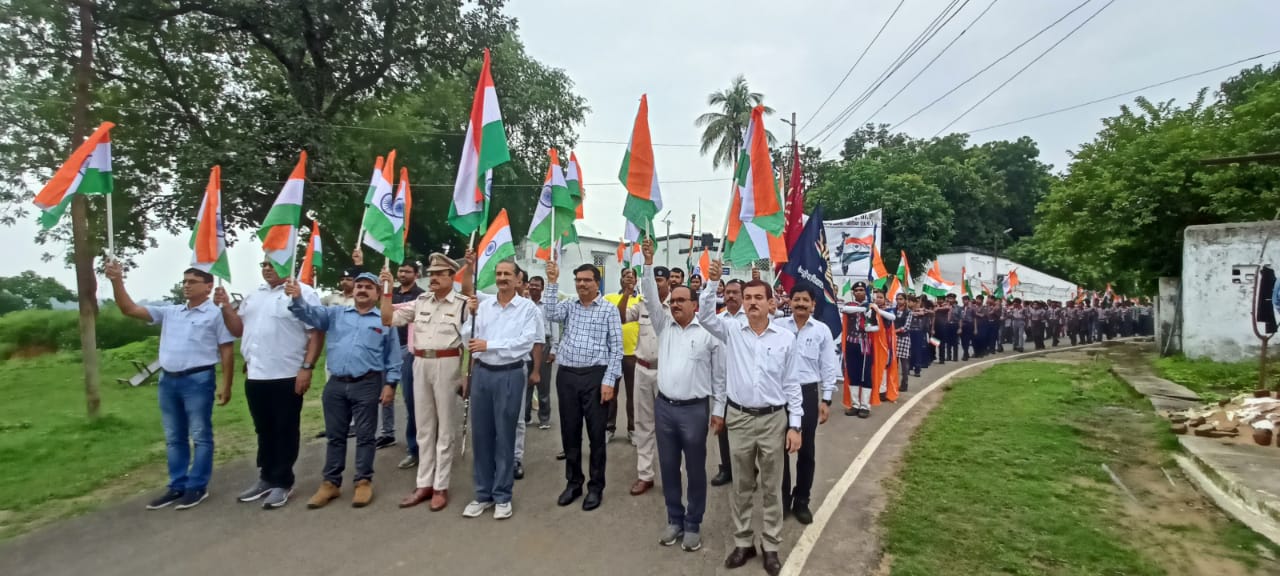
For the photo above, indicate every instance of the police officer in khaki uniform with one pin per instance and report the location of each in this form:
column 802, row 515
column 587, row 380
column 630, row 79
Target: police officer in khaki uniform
column 436, row 341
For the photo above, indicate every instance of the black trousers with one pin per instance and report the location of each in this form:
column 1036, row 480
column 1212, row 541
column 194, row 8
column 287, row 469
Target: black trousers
column 276, row 410
column 1037, row 334
column 1055, row 331
column 966, row 340
column 543, row 389
column 628, row 383
column 805, row 461
column 578, row 391
column 950, row 342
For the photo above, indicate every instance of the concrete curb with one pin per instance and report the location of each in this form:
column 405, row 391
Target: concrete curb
column 1240, row 502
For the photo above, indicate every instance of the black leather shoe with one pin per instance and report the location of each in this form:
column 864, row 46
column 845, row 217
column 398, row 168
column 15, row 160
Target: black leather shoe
column 569, row 495
column 723, row 477
column 592, row 501
column 560, row 456
column 739, row 556
column 772, row 566
column 851, row 412
column 518, row 472
column 884, row 396
column 864, row 413
column 801, row 513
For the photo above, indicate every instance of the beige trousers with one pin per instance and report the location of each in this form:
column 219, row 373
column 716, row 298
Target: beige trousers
column 646, row 391
column 435, row 409
column 757, row 443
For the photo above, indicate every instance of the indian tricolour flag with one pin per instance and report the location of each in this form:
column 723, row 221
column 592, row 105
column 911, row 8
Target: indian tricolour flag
column 636, row 262
column 373, row 181
column 494, row 248
column 384, row 216
column 904, row 274
column 879, row 274
column 279, row 231
column 555, row 213
column 577, row 190
column 313, row 261
column 86, row 171
column 484, row 148
column 756, row 219
column 964, row 283
column 209, row 240
column 640, row 177
column 1011, row 281
column 934, row 285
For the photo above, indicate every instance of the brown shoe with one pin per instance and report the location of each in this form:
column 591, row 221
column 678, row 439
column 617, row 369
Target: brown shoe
column 327, row 492
column 439, row 500
column 739, row 556
column 416, row 497
column 641, row 486
column 363, row 494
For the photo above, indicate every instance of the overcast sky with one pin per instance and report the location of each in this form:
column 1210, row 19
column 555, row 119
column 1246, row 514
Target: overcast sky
column 795, row 53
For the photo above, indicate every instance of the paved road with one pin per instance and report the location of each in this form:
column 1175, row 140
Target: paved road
column 223, row 536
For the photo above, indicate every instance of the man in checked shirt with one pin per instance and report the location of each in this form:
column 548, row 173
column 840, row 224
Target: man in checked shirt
column 590, row 357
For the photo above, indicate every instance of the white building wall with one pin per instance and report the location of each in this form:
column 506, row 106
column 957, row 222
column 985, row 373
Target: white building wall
column 1219, row 264
column 1035, row 285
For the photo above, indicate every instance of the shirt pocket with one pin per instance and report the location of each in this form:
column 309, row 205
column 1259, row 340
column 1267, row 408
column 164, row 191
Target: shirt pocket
column 775, row 358
column 809, row 348
column 369, row 338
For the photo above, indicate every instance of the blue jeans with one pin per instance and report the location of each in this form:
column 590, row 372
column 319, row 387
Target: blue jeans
column 186, row 411
column 406, row 388
column 495, row 409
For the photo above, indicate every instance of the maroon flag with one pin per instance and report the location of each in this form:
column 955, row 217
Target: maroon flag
column 795, row 215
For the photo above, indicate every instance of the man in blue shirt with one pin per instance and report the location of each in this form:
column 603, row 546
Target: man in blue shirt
column 193, row 340
column 363, row 358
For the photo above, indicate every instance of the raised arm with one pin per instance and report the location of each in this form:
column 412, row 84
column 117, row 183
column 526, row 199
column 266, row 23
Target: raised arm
column 707, row 303
column 312, row 315
column 115, row 272
column 551, row 295
column 649, row 297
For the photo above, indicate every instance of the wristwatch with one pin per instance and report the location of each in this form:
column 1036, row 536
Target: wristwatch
column 827, row 402
column 793, row 429
column 308, row 366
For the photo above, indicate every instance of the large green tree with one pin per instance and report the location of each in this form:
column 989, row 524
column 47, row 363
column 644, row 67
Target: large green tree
column 1119, row 213
column 968, row 194
column 38, row 291
column 723, row 128
column 246, row 85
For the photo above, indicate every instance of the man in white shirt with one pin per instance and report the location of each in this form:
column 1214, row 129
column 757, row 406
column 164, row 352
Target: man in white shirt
column 280, row 353
column 690, row 382
column 763, row 417
column 500, row 336
column 817, row 372
column 732, row 311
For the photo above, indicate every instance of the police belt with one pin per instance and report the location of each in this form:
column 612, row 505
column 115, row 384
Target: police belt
column 446, row 353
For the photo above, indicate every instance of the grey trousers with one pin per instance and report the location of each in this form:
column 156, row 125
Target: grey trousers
column 757, row 444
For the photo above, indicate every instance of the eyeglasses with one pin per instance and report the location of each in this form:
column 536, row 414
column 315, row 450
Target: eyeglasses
column 679, row 300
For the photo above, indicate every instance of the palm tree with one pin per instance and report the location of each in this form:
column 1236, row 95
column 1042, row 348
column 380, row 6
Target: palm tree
column 723, row 129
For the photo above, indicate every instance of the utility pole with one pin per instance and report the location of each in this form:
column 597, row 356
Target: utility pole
column 82, row 244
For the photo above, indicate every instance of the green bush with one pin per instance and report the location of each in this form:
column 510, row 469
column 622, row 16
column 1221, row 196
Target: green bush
column 60, row 330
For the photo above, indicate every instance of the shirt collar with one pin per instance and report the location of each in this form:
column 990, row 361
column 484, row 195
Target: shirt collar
column 203, row 307
column 372, row 311
column 450, row 297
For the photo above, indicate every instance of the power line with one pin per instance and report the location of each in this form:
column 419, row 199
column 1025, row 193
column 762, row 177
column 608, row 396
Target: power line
column 989, row 66
column 941, row 20
column 1024, row 68
column 866, row 49
column 926, row 66
column 1122, row 94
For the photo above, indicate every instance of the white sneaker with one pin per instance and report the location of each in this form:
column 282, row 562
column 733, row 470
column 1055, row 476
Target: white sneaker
column 475, row 509
column 502, row 511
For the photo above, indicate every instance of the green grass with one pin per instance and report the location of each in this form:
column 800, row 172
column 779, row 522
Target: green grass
column 1214, row 379
column 54, row 462
column 1005, row 477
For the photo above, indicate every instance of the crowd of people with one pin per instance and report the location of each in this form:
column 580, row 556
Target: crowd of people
column 730, row 359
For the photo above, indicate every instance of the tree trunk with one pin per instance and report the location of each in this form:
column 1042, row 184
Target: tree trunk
column 82, row 243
